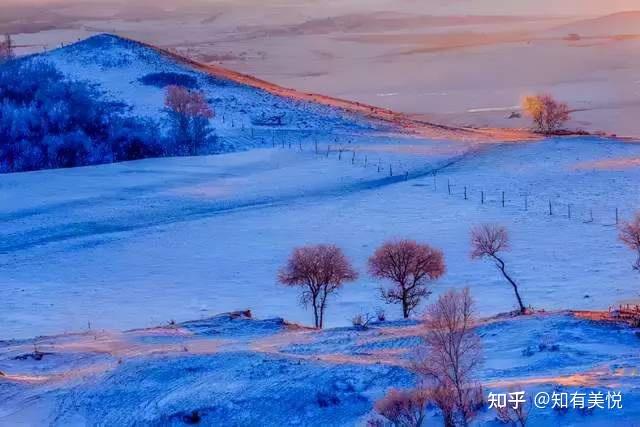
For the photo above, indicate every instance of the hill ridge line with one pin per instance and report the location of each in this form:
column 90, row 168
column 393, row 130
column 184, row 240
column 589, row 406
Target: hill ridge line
column 400, row 121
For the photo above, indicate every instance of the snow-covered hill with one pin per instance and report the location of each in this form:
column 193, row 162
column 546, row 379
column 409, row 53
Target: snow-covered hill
column 137, row 75
column 102, row 100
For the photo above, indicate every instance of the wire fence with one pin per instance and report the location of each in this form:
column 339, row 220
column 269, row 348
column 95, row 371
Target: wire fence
column 352, row 148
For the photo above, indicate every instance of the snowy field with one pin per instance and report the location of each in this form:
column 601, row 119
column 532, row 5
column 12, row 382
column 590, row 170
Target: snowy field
column 184, row 238
column 270, row 373
column 90, row 255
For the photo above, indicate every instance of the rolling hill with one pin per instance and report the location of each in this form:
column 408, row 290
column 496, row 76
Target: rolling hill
column 151, row 243
column 137, row 74
column 102, row 100
column 621, row 23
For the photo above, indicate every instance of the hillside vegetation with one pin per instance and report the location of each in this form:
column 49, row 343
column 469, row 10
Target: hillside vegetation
column 105, row 100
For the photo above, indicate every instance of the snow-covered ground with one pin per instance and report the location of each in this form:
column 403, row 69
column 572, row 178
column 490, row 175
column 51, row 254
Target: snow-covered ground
column 137, row 75
column 140, row 243
column 233, row 370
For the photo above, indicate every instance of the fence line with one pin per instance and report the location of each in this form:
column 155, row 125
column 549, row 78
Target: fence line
column 342, row 147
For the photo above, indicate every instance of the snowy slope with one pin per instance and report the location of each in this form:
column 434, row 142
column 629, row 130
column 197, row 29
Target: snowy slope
column 119, row 67
column 179, row 238
column 141, row 243
column 233, row 370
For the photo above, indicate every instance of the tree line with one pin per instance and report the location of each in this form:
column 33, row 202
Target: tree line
column 409, row 268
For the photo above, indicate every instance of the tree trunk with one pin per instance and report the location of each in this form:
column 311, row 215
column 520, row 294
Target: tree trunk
column 315, row 316
column 501, row 266
column 323, row 300
column 405, row 308
column 405, row 302
column 448, row 420
column 462, row 407
column 316, row 319
column 515, row 289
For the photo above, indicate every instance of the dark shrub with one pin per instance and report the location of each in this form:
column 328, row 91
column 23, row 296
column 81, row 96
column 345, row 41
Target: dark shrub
column 165, row 79
column 135, row 139
column 326, row 399
column 69, row 150
column 192, row 418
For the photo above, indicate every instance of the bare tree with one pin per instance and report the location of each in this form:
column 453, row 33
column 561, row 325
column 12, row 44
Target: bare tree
column 404, row 408
column 515, row 415
column 409, row 266
column 451, row 354
column 630, row 236
column 320, row 271
column 547, row 113
column 190, row 114
column 488, row 241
